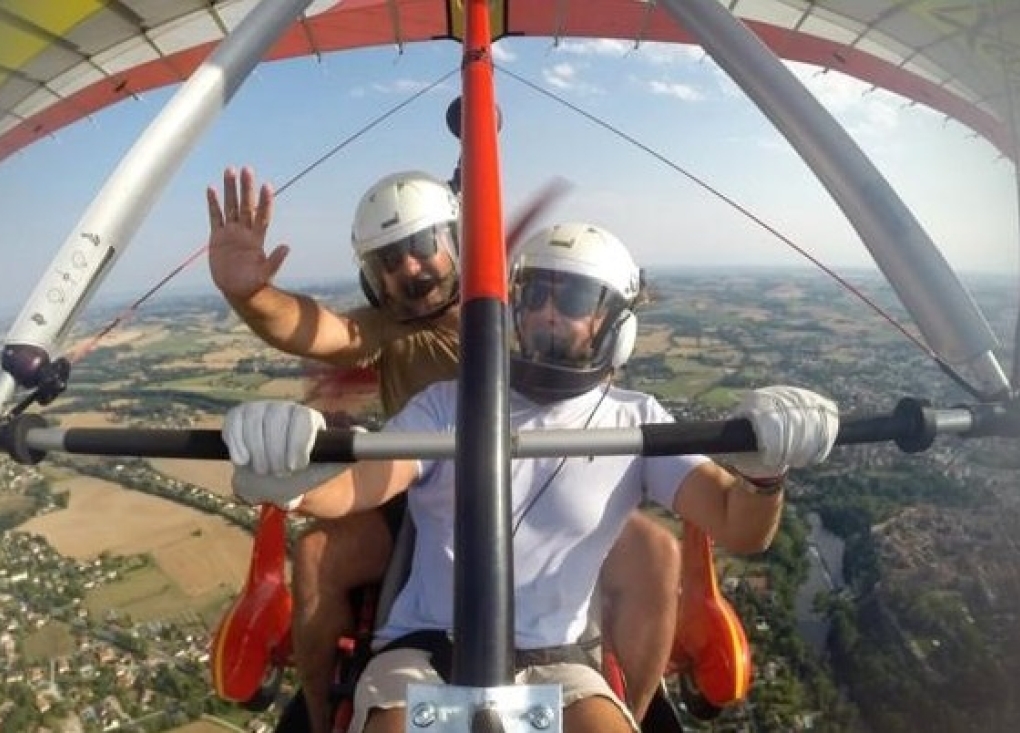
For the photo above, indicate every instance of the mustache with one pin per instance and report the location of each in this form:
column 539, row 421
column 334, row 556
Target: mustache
column 419, row 287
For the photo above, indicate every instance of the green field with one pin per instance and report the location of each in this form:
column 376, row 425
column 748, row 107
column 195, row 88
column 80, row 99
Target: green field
column 690, row 378
column 148, row 594
column 52, row 640
column 719, row 398
column 217, row 382
column 176, row 345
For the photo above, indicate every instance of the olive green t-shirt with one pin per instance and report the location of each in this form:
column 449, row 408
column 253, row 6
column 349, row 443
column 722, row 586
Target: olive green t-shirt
column 408, row 356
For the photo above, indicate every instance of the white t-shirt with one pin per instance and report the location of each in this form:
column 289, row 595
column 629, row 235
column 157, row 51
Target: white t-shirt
column 565, row 534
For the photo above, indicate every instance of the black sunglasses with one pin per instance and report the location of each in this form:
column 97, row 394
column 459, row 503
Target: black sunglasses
column 421, row 245
column 573, row 297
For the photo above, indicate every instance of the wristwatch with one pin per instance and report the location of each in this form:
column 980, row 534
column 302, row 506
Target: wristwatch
column 765, row 486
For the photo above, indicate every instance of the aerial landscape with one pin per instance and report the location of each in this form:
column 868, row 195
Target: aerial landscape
column 888, row 603
column 727, row 143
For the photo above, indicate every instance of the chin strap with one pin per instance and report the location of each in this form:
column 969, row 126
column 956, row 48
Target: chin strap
column 543, row 383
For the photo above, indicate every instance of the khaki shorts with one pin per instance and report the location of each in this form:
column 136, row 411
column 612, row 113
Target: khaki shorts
column 384, row 682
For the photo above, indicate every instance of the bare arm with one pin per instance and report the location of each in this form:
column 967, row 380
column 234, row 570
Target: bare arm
column 366, row 485
column 721, row 504
column 793, row 427
column 243, row 272
column 302, row 326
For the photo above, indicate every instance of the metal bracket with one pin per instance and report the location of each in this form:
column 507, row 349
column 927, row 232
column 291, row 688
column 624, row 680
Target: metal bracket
column 508, row 709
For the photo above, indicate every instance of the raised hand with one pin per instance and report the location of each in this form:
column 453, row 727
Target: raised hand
column 238, row 262
column 794, row 427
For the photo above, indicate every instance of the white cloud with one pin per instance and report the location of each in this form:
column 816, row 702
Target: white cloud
column 565, row 76
column 681, row 91
column 561, row 75
column 595, row 47
column 836, row 91
column 860, row 107
column 502, row 54
column 652, row 52
column 669, row 53
column 400, row 86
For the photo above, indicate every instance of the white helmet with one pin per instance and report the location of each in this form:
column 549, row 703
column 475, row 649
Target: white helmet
column 603, row 281
column 394, row 209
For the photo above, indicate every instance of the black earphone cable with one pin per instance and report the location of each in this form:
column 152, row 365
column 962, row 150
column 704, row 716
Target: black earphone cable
column 548, row 482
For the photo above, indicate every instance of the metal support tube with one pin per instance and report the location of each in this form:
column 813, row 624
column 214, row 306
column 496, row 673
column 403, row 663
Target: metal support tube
column 938, row 303
column 705, row 436
column 113, row 218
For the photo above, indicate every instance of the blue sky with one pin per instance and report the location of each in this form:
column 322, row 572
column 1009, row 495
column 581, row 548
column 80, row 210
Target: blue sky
column 672, row 99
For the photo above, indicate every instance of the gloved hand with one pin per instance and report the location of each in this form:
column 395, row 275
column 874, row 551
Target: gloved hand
column 270, row 444
column 794, row 427
column 286, row 491
column 271, row 436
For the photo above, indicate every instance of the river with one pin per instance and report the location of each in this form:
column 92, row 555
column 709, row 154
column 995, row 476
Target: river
column 825, row 573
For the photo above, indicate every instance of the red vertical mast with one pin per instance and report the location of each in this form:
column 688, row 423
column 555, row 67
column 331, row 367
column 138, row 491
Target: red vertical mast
column 483, row 574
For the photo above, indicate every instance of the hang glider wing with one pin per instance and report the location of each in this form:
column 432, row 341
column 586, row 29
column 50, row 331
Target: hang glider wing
column 61, row 60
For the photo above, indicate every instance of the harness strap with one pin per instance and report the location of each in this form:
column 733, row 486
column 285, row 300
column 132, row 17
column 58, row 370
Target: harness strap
column 432, row 641
column 438, row 645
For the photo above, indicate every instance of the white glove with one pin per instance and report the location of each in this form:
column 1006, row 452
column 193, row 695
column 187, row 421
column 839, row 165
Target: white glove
column 271, row 437
column 287, row 491
column 270, row 444
column 794, row 428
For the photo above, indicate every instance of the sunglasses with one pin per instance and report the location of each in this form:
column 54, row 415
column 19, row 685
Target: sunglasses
column 421, row 245
column 573, row 297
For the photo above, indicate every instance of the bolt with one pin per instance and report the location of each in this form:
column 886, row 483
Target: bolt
column 423, row 715
column 540, row 716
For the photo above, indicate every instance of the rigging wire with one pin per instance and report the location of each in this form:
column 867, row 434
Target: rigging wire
column 79, row 353
column 1015, row 372
column 559, row 466
column 1013, row 122
column 944, row 366
column 374, row 123
column 939, row 361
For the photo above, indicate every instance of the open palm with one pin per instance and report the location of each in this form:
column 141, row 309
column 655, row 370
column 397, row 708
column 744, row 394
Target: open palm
column 237, row 237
